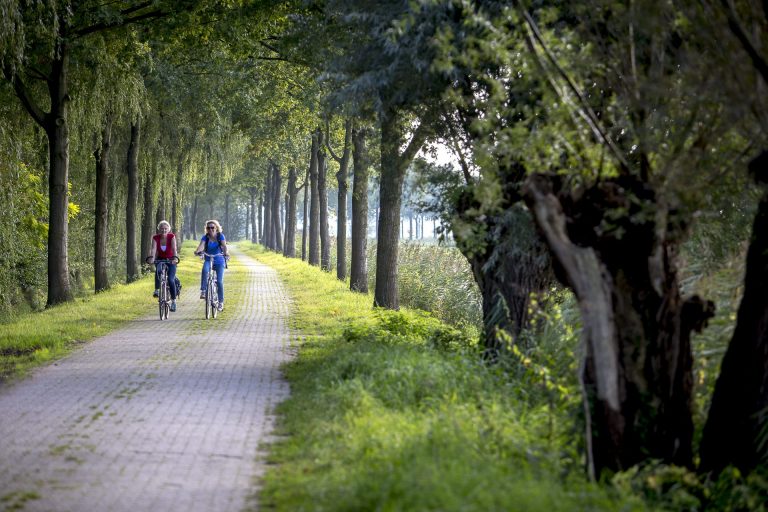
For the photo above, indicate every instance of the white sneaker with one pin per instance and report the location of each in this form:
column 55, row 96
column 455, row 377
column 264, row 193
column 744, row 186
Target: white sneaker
column 202, row 295
column 221, row 306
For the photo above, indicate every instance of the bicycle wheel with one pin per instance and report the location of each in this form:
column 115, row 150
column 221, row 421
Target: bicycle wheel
column 208, row 300
column 163, row 299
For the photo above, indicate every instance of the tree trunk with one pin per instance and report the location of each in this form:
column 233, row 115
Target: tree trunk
column 268, row 195
column 322, row 191
column 227, row 199
column 637, row 375
column 193, row 221
column 305, row 218
column 56, row 125
column 358, row 280
column 147, row 226
column 260, row 215
column 314, row 205
column 101, row 226
column 252, row 217
column 289, row 249
column 160, row 213
column 177, row 220
column 341, row 219
column 735, row 432
column 277, row 227
column 390, row 198
column 132, row 169
column 393, row 167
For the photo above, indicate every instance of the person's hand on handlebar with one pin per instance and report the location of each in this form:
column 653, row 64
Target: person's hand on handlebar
column 150, row 260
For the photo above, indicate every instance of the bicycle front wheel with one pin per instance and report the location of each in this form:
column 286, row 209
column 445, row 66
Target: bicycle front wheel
column 208, row 297
column 162, row 300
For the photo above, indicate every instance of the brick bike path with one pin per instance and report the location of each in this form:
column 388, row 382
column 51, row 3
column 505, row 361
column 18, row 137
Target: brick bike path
column 157, row 416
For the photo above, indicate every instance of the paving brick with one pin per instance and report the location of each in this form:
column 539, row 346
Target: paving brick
column 156, row 416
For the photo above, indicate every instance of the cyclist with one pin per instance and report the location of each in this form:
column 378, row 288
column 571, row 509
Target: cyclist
column 213, row 242
column 164, row 248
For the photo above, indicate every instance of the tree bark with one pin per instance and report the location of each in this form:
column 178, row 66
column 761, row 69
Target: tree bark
column 147, row 226
column 56, row 126
column 101, row 226
column 193, row 221
column 322, row 191
column 289, row 249
column 160, row 213
column 358, row 280
column 268, row 195
column 260, row 215
column 314, row 205
column 341, row 219
column 735, row 431
column 393, row 167
column 57, row 130
column 132, row 169
column 636, row 326
column 227, row 199
column 252, row 217
column 277, row 227
column 177, row 220
column 305, row 217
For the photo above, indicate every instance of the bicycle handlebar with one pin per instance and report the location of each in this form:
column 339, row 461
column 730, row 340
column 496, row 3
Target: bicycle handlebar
column 204, row 254
column 162, row 260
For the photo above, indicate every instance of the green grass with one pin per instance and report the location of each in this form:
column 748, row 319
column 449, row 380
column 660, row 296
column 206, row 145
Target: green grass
column 396, row 411
column 31, row 339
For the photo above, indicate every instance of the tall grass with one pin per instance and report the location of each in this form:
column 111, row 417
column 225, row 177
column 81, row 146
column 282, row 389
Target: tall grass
column 396, row 411
column 431, row 277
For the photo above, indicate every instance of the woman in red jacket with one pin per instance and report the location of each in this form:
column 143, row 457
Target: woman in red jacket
column 164, row 248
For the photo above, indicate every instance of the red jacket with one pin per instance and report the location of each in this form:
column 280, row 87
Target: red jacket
column 168, row 253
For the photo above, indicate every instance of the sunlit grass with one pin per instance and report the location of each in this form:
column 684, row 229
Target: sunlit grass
column 324, row 305
column 31, row 339
column 387, row 413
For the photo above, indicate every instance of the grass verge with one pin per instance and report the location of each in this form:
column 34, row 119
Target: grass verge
column 396, row 411
column 32, row 339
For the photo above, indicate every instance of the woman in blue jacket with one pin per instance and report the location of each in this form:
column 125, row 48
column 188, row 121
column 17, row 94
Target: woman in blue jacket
column 213, row 242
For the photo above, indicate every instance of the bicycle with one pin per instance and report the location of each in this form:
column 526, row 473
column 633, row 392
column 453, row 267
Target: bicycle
column 211, row 288
column 164, row 295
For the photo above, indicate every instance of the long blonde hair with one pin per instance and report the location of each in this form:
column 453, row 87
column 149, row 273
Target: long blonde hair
column 215, row 223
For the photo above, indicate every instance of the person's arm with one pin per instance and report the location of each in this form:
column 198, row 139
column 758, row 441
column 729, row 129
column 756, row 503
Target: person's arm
column 224, row 248
column 176, row 249
column 153, row 252
column 200, row 246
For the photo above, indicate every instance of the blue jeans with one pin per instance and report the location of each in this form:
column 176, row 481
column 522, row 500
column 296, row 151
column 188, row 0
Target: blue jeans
column 219, row 269
column 171, row 279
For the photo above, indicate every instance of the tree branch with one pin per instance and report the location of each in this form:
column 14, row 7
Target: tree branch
column 23, row 94
column 419, row 136
column 733, row 23
column 328, row 141
column 104, row 26
column 584, row 109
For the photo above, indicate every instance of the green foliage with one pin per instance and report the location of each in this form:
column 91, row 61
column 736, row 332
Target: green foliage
column 436, row 279
column 383, row 417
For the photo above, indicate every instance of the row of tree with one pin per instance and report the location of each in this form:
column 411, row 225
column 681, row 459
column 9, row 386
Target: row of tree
column 593, row 139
